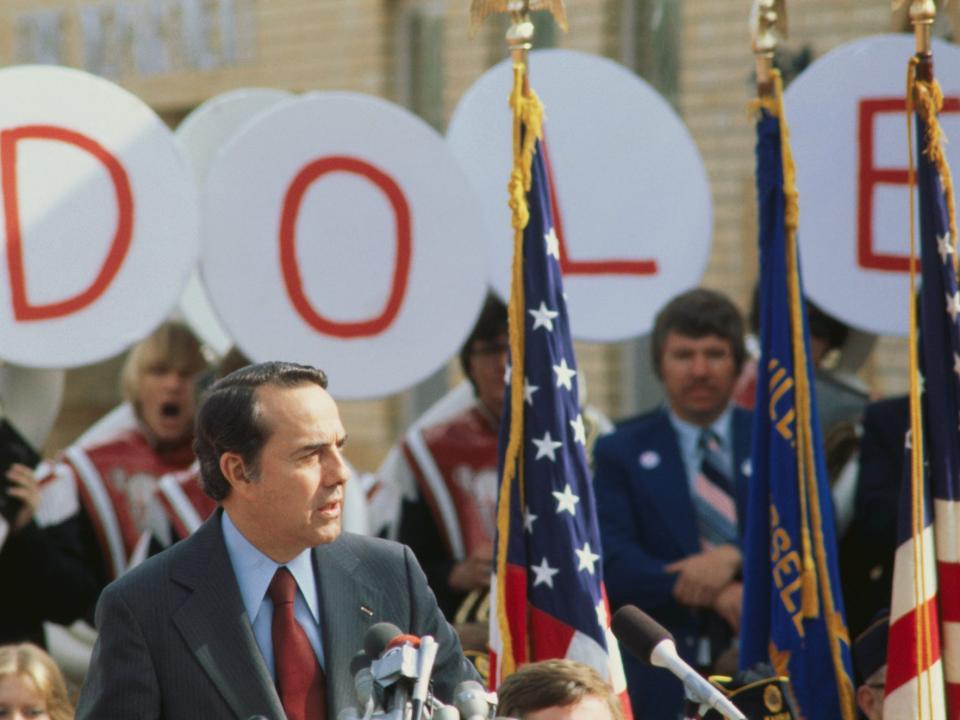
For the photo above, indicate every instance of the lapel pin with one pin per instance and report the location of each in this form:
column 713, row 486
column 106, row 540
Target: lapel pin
column 649, row 459
column 366, row 611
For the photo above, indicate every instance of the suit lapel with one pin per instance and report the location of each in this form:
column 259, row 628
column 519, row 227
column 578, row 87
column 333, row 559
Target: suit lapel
column 215, row 626
column 349, row 605
column 667, row 484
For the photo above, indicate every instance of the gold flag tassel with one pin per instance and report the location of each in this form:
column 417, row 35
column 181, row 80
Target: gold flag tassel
column 925, row 98
column 527, row 129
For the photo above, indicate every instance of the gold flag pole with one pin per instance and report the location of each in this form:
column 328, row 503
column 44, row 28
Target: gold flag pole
column 768, row 21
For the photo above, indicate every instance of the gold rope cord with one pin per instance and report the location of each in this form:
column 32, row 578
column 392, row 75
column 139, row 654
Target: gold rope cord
column 815, row 571
column 527, row 129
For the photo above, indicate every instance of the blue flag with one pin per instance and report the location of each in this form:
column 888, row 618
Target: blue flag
column 792, row 611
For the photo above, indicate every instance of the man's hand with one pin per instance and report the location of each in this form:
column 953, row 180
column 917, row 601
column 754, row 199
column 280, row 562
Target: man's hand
column 729, row 603
column 474, row 572
column 701, row 576
column 25, row 488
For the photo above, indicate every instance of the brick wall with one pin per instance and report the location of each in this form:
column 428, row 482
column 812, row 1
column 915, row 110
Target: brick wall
column 366, row 46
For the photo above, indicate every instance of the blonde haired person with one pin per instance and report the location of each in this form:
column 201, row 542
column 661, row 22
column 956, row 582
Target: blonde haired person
column 114, row 497
column 31, row 685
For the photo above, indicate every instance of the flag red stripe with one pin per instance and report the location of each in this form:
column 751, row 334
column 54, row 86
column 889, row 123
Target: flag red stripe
column 948, row 580
column 516, row 606
column 902, row 644
column 953, row 701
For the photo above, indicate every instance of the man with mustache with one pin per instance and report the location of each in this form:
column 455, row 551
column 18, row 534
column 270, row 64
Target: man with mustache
column 670, row 487
column 260, row 611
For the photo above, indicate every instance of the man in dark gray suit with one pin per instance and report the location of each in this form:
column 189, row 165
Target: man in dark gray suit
column 261, row 610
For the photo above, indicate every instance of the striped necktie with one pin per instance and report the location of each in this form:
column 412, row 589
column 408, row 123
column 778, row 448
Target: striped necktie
column 713, row 495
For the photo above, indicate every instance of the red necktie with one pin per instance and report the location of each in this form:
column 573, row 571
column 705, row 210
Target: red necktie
column 300, row 680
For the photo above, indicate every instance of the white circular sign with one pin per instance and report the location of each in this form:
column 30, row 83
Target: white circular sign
column 848, row 129
column 200, row 136
column 633, row 204
column 339, row 231
column 100, row 218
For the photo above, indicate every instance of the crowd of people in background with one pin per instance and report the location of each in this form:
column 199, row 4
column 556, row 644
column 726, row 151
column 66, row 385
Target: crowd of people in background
column 670, row 488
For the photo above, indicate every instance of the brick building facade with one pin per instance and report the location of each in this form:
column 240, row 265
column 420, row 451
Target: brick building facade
column 174, row 54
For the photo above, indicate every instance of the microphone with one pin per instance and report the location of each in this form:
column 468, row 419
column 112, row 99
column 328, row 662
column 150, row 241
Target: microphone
column 472, row 701
column 363, row 684
column 425, row 658
column 378, row 637
column 650, row 642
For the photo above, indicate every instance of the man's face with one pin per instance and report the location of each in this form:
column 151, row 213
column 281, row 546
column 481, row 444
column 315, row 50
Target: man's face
column 297, row 495
column 698, row 375
column 166, row 401
column 591, row 707
column 487, row 367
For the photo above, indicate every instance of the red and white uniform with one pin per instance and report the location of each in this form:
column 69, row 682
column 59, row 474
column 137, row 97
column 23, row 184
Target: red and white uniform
column 454, row 464
column 132, row 492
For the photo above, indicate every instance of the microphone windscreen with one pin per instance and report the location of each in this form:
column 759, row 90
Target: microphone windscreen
column 401, row 639
column 638, row 632
column 378, row 637
column 359, row 661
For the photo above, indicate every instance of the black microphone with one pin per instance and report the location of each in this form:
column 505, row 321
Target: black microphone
column 378, row 637
column 652, row 643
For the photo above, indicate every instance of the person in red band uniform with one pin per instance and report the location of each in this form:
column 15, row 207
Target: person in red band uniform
column 99, row 510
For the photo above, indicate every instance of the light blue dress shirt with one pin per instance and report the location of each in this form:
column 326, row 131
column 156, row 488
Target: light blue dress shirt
column 254, row 572
column 688, row 437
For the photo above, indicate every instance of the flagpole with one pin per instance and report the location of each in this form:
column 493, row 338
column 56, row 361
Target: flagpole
column 527, row 128
column 768, row 18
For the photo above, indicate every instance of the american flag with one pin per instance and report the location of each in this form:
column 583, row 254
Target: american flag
column 923, row 652
column 551, row 601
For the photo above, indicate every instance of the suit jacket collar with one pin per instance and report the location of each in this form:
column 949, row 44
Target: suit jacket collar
column 215, row 625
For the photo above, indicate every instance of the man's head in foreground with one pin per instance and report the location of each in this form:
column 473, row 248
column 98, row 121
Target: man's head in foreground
column 698, row 350
column 159, row 379
column 870, row 659
column 557, row 690
column 270, row 445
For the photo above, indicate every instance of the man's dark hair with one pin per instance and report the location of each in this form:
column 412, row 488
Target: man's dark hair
column 491, row 324
column 826, row 327
column 229, row 419
column 553, row 683
column 698, row 313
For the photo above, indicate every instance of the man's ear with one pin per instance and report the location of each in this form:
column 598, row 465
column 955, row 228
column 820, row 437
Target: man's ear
column 233, row 469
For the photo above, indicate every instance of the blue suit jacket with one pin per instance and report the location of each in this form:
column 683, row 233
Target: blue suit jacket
column 647, row 521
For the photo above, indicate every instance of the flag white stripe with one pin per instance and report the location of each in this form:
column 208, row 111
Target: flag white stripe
column 903, row 600
column 902, row 702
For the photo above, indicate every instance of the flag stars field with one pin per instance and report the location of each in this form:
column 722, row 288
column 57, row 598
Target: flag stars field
column 587, row 558
column 944, row 247
column 543, row 317
column 528, row 519
column 547, row 447
column 953, row 306
column 553, row 244
column 528, row 391
column 564, row 374
column 566, row 500
column 544, row 573
column 579, row 431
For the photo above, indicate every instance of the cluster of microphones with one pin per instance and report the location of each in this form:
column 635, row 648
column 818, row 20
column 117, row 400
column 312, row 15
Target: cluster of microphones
column 392, row 674
column 392, row 681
